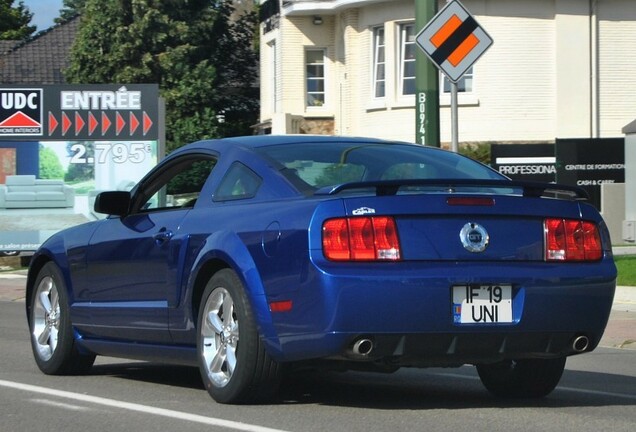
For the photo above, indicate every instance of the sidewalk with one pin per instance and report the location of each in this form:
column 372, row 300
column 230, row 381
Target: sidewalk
column 620, row 331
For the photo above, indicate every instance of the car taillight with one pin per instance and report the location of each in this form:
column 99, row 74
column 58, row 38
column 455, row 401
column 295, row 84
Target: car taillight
column 361, row 239
column 572, row 240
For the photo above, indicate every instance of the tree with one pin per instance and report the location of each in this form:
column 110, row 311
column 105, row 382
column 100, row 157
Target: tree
column 80, row 171
column 70, row 9
column 236, row 59
column 50, row 165
column 14, row 21
column 183, row 45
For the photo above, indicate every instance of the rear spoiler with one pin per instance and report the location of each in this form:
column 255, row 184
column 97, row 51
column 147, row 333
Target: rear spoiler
column 529, row 188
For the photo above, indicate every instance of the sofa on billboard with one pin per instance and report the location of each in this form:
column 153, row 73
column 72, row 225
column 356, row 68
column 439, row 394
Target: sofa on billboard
column 26, row 191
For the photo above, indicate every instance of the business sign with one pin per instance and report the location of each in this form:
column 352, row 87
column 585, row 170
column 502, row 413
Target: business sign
column 534, row 162
column 60, row 145
column 21, row 112
column 590, row 163
column 453, row 40
column 80, row 112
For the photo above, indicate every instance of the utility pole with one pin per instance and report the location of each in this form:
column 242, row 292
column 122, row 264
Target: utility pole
column 427, row 84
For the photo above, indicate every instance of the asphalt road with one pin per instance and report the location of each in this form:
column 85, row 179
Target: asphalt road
column 597, row 392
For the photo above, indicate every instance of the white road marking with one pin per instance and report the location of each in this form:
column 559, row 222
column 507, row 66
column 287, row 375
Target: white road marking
column 60, row 405
column 178, row 415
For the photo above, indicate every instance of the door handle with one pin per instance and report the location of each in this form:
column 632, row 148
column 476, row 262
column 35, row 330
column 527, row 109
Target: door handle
column 162, row 236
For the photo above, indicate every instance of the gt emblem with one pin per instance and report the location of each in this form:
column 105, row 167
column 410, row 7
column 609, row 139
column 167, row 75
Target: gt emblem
column 474, row 237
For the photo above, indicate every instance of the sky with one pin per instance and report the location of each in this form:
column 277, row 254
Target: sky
column 44, row 12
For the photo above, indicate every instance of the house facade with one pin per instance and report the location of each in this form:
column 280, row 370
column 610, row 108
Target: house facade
column 558, row 69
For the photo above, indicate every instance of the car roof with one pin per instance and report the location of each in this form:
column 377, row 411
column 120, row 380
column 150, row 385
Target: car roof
column 256, row 141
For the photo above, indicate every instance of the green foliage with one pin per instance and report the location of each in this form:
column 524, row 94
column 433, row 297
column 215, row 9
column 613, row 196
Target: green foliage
column 191, row 180
column 626, row 266
column 204, row 62
column 70, row 9
column 83, row 171
column 50, row 165
column 14, row 21
column 477, row 151
column 338, row 174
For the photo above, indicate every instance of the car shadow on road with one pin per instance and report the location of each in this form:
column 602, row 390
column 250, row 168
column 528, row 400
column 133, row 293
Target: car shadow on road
column 156, row 373
column 445, row 389
column 412, row 389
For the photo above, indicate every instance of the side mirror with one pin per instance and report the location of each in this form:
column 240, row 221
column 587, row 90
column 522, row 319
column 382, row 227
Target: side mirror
column 113, row 203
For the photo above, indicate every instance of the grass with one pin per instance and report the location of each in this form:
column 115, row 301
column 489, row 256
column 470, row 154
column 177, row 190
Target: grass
column 626, row 265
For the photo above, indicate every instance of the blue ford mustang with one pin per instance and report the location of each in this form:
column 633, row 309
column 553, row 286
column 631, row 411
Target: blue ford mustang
column 250, row 256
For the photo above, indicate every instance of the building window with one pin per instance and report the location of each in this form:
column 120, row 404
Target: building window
column 315, row 69
column 464, row 85
column 407, row 59
column 379, row 63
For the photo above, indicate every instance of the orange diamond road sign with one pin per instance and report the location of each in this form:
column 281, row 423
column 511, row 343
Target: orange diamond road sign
column 453, row 40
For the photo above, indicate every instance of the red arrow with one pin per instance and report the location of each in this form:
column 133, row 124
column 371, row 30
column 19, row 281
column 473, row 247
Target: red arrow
column 105, row 123
column 79, row 123
column 147, row 123
column 134, row 123
column 66, row 123
column 92, row 123
column 52, row 123
column 119, row 120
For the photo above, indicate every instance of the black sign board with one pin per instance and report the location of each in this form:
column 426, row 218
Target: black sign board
column 535, row 162
column 61, row 145
column 589, row 163
column 80, row 112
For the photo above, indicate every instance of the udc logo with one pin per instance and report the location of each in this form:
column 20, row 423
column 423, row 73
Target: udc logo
column 20, row 112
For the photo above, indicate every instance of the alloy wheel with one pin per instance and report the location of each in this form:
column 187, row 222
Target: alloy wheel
column 220, row 337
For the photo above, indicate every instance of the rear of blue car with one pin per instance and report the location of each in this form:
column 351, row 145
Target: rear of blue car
column 435, row 272
column 415, row 295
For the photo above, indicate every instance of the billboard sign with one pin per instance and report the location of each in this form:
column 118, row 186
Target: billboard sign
column 534, row 162
column 60, row 145
column 21, row 112
column 589, row 163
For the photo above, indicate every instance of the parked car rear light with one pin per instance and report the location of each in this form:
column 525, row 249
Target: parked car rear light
column 361, row 239
column 572, row 240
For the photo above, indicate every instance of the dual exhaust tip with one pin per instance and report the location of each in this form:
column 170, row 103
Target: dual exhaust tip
column 364, row 346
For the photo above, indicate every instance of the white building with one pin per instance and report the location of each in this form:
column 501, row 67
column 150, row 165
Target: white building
column 557, row 69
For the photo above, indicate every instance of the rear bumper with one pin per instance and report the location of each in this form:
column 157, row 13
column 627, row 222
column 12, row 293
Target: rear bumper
column 406, row 310
column 456, row 349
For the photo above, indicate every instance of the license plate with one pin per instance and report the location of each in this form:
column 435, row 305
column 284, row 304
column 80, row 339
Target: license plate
column 481, row 304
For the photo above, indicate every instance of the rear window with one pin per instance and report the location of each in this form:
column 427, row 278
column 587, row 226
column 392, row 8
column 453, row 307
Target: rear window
column 326, row 164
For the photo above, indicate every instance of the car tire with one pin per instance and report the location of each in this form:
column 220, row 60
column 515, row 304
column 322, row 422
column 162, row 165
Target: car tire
column 52, row 338
column 234, row 365
column 528, row 378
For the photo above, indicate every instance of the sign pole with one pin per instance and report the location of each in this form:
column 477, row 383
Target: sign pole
column 453, row 41
column 454, row 119
column 427, row 84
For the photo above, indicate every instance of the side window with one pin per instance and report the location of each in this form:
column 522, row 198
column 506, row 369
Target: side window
column 407, row 59
column 379, row 63
column 239, row 182
column 178, row 186
column 315, row 70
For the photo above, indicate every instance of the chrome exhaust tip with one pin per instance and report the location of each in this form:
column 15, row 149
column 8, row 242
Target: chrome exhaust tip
column 362, row 347
column 580, row 343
